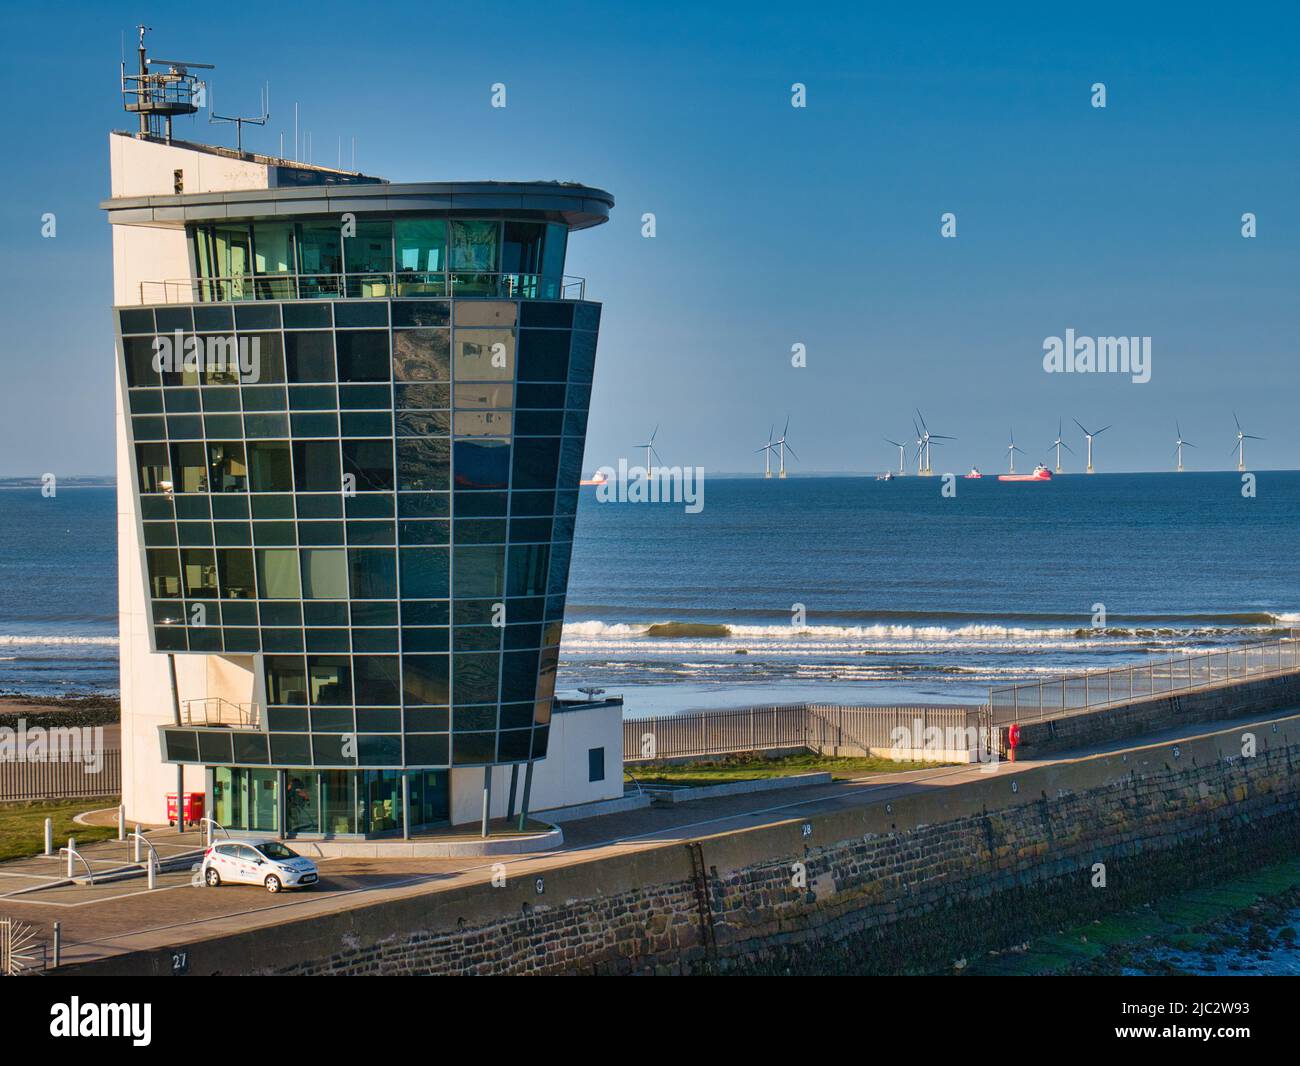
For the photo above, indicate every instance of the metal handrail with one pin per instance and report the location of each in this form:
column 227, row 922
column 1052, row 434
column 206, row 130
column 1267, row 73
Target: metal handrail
column 242, row 715
column 402, row 284
column 212, row 821
column 90, row 873
column 1028, row 701
column 155, row 858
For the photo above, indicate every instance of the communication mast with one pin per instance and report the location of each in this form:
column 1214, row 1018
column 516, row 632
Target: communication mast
column 158, row 96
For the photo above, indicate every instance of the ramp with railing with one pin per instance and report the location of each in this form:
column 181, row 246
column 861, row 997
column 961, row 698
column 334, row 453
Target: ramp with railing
column 1038, row 701
column 818, row 727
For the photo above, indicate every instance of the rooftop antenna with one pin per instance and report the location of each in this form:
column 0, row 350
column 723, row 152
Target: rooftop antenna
column 239, row 120
column 1240, row 446
column 1012, row 448
column 902, row 470
column 649, row 447
column 158, row 96
column 1180, row 442
column 1058, row 444
column 767, row 448
column 1089, row 437
column 781, row 444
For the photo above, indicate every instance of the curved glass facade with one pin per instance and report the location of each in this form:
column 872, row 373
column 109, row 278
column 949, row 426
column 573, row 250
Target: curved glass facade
column 378, row 501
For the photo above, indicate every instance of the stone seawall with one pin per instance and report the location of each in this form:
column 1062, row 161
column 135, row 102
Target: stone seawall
column 912, row 884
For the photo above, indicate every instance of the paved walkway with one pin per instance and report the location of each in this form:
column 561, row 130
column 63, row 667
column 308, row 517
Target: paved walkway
column 112, row 919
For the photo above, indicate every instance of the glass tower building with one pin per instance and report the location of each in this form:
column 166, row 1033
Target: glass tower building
column 354, row 432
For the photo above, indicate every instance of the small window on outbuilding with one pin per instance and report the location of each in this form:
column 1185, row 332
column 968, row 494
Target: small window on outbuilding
column 595, row 764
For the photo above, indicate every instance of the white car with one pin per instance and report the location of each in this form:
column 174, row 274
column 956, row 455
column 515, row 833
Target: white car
column 257, row 862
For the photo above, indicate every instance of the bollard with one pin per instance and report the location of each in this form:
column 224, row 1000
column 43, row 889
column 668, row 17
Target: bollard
column 49, row 836
column 136, row 838
column 153, row 873
column 58, row 943
column 72, row 845
column 121, row 821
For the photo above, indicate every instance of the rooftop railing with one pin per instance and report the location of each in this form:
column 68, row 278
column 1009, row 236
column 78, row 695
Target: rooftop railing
column 380, row 285
column 1036, row 701
column 216, row 711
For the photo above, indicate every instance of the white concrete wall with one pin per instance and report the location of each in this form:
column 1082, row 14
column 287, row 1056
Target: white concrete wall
column 147, row 168
column 152, row 254
column 559, row 780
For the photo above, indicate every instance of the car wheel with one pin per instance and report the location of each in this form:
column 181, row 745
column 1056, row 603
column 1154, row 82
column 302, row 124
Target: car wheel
column 273, row 884
column 212, row 877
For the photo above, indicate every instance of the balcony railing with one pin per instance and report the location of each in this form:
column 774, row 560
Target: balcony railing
column 216, row 711
column 402, row 284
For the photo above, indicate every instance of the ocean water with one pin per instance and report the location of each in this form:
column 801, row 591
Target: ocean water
column 58, row 591
column 906, row 595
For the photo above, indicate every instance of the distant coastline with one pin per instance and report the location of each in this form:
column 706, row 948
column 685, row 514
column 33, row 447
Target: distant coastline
column 72, row 481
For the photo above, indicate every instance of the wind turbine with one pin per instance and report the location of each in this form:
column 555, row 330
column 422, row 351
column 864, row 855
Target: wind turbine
column 1180, row 442
column 902, row 470
column 1241, row 443
column 927, row 437
column 1089, row 437
column 783, row 445
column 649, row 447
column 1058, row 444
column 920, row 447
column 1012, row 448
column 767, row 458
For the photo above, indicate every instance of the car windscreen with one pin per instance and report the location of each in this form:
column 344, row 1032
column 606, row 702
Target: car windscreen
column 275, row 850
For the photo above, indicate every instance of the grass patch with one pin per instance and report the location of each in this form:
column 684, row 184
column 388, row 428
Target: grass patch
column 726, row 769
column 22, row 825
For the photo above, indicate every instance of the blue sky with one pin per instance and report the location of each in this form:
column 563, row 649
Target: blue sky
column 775, row 225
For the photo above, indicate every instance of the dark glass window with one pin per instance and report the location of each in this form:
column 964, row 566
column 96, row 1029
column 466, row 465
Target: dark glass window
column 595, row 764
column 374, row 573
column 199, row 572
column 536, row 461
column 376, row 679
column 227, row 471
column 236, row 572
column 363, row 355
column 316, row 466
column 270, row 466
column 425, row 573
column 371, row 462
column 265, row 356
column 164, row 573
column 543, row 355
column 482, row 464
column 277, row 573
column 153, row 465
column 424, row 679
column 479, row 572
column 329, row 678
column 139, row 352
column 309, row 357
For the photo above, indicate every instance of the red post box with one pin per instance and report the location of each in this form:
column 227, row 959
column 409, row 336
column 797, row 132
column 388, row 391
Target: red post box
column 1013, row 740
column 193, row 808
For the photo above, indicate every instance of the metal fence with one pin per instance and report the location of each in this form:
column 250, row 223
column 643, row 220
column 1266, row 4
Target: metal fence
column 817, row 727
column 368, row 285
column 1035, row 701
column 61, row 780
